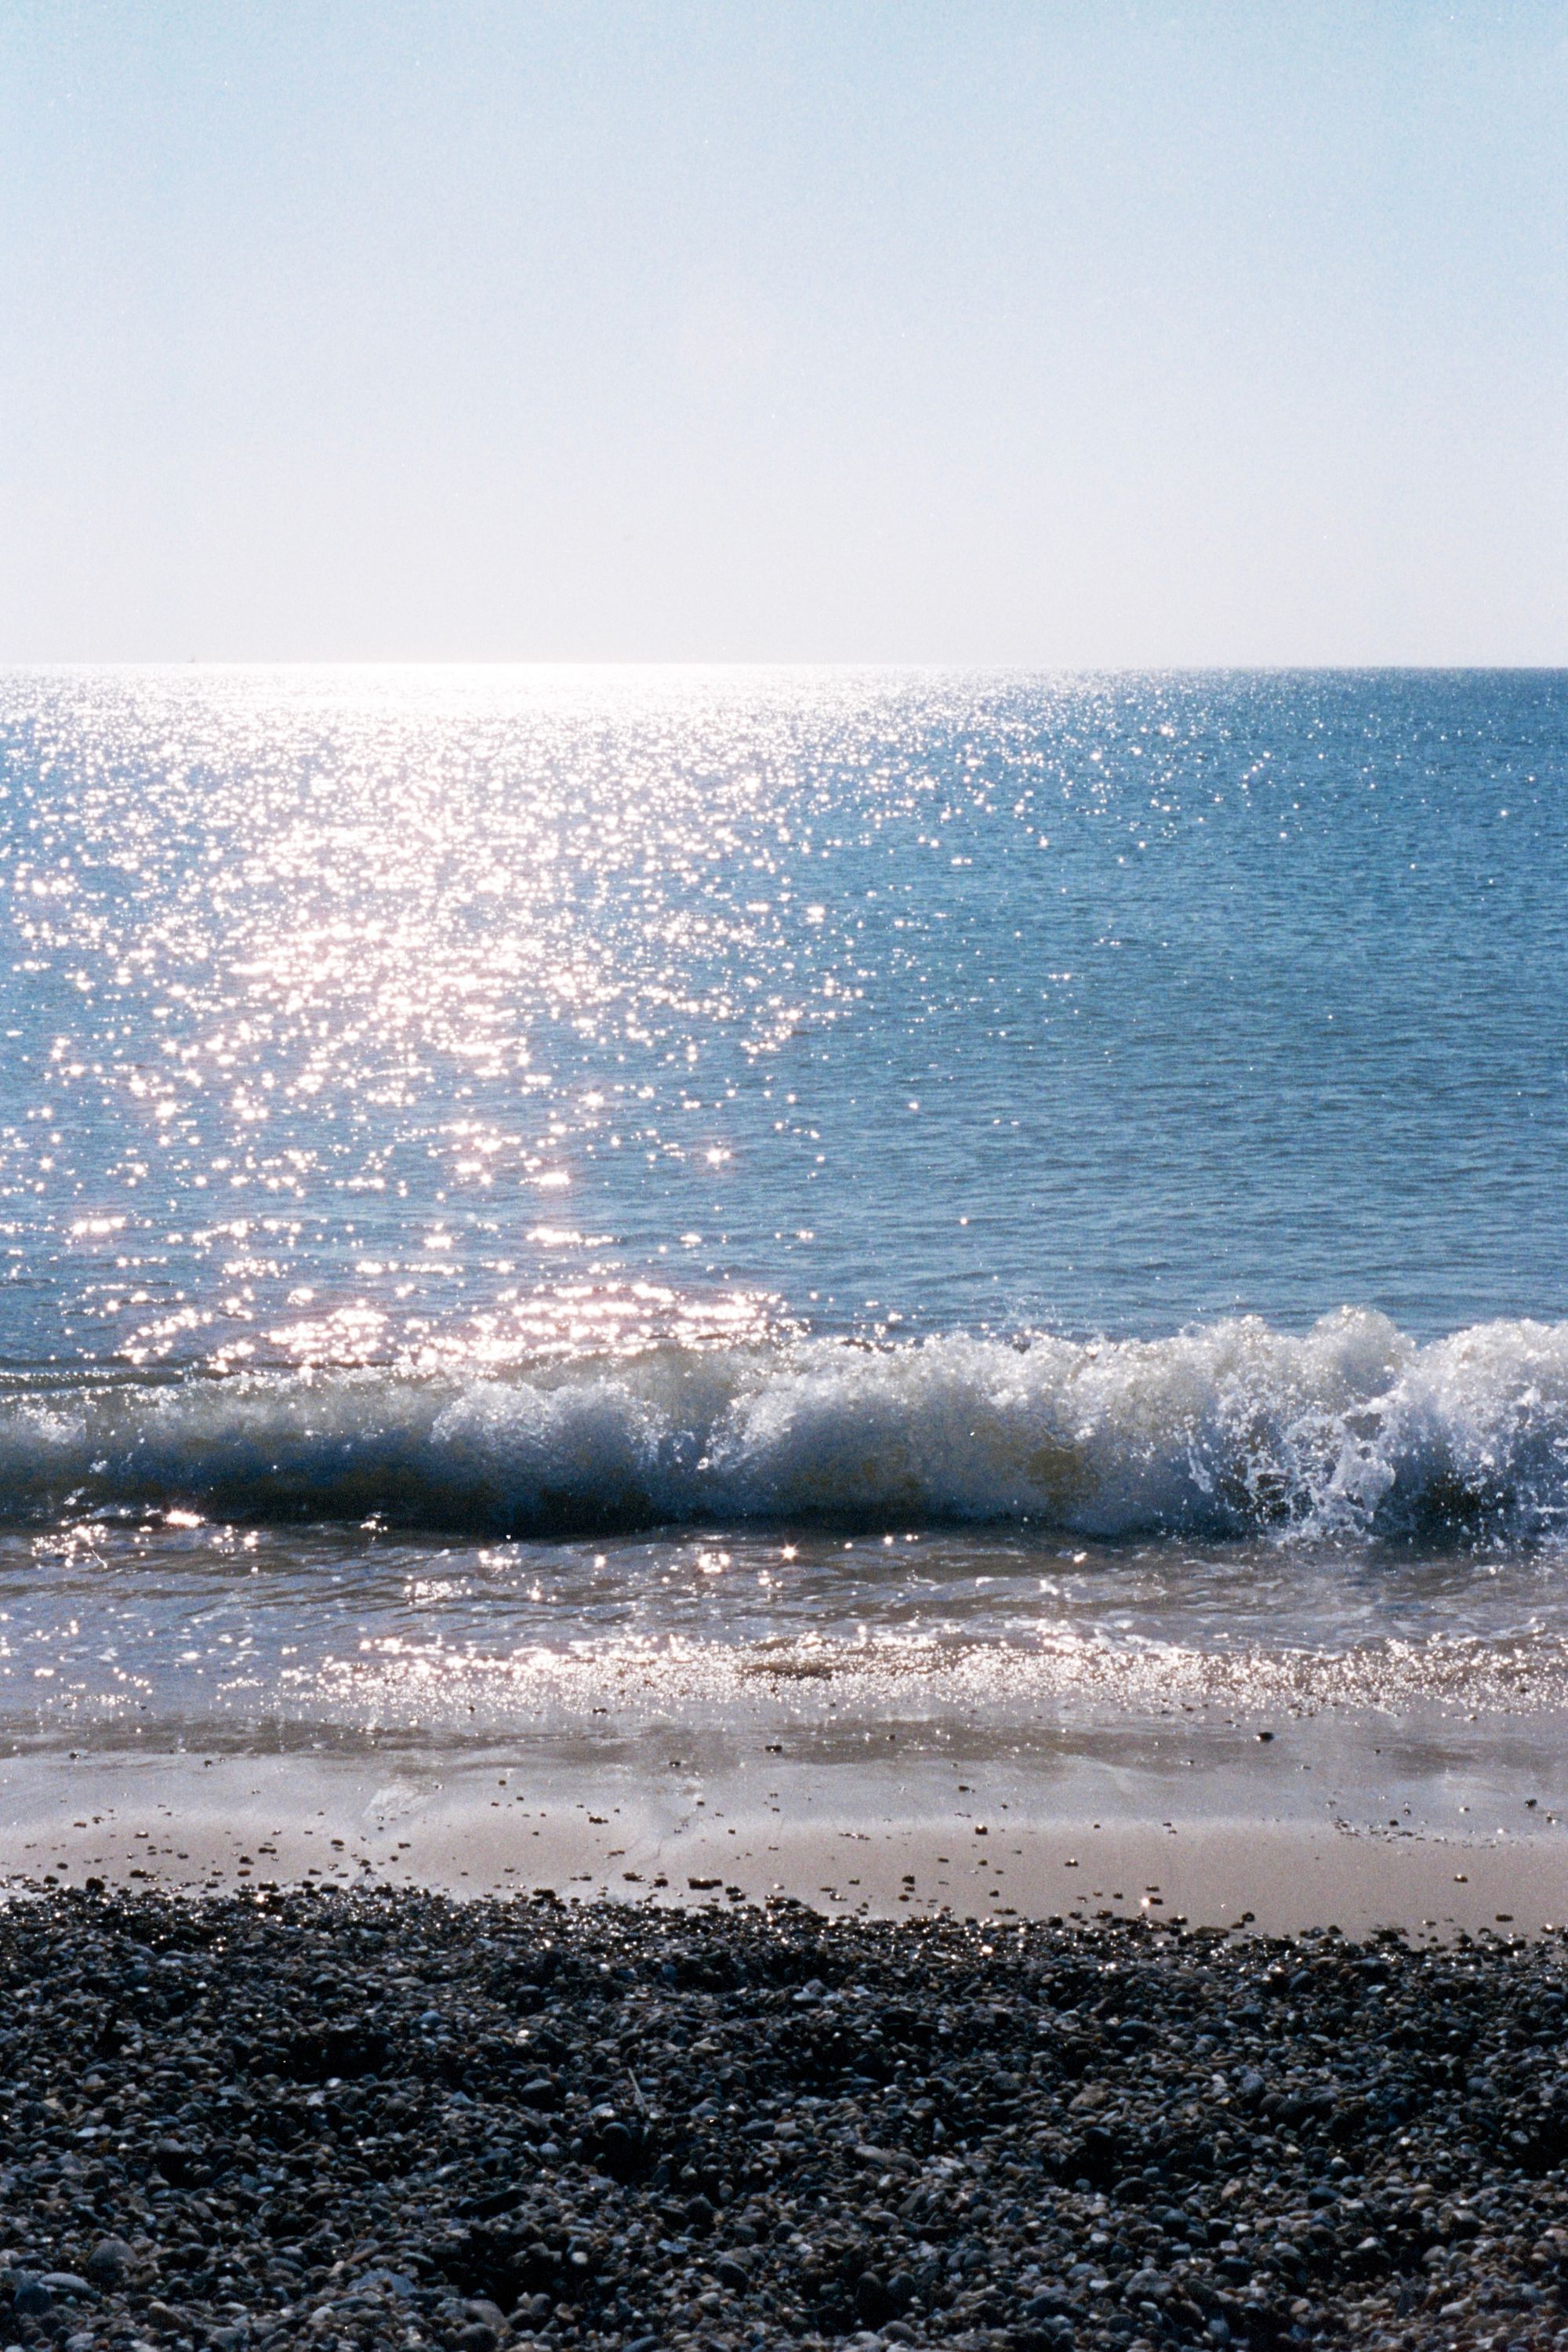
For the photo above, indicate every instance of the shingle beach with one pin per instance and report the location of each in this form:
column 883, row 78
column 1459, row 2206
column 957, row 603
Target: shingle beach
column 395, row 2119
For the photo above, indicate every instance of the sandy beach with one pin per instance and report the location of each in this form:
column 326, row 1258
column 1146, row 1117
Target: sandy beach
column 1433, row 1821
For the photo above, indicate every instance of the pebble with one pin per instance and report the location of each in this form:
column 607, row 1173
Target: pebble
column 653, row 2131
column 110, row 2262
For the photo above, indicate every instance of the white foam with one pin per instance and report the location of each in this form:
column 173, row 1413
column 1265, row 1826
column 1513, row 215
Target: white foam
column 1233, row 1428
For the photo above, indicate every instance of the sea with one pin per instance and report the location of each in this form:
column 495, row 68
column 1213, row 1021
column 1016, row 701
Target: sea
column 521, row 1185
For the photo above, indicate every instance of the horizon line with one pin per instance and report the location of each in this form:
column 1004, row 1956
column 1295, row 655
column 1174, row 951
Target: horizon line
column 708, row 663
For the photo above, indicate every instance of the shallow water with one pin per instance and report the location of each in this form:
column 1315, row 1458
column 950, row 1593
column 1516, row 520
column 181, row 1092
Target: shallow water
column 140, row 1631
column 1104, row 1135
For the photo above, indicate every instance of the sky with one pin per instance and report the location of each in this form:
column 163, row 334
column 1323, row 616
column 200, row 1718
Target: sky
column 1042, row 332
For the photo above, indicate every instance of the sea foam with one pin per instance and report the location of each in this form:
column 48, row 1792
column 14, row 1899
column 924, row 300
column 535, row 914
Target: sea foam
column 1350, row 1428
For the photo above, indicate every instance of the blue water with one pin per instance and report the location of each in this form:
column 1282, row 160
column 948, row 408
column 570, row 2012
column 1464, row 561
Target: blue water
column 545, row 1105
column 983, row 1002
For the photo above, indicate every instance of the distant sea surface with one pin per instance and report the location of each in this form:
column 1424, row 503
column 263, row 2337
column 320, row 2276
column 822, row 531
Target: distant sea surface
column 501, row 1168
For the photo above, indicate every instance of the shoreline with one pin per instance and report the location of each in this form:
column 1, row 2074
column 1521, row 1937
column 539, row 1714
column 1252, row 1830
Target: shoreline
column 1456, row 1832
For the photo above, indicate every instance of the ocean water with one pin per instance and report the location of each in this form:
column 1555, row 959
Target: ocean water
column 501, row 1168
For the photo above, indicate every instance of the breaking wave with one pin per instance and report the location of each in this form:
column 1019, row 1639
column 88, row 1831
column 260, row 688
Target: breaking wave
column 1349, row 1430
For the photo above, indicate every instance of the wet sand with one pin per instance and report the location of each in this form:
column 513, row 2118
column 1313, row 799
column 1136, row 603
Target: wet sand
column 1435, row 1827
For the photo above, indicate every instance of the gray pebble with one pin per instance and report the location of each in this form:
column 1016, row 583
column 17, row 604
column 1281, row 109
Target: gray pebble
column 632, row 2131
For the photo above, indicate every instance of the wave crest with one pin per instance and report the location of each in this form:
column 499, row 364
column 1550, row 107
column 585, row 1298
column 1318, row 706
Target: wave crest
column 1350, row 1428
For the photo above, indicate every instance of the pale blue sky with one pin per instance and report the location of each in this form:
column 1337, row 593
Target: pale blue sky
column 1077, row 331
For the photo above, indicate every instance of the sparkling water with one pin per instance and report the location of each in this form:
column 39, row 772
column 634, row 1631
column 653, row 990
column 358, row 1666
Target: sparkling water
column 504, row 1167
